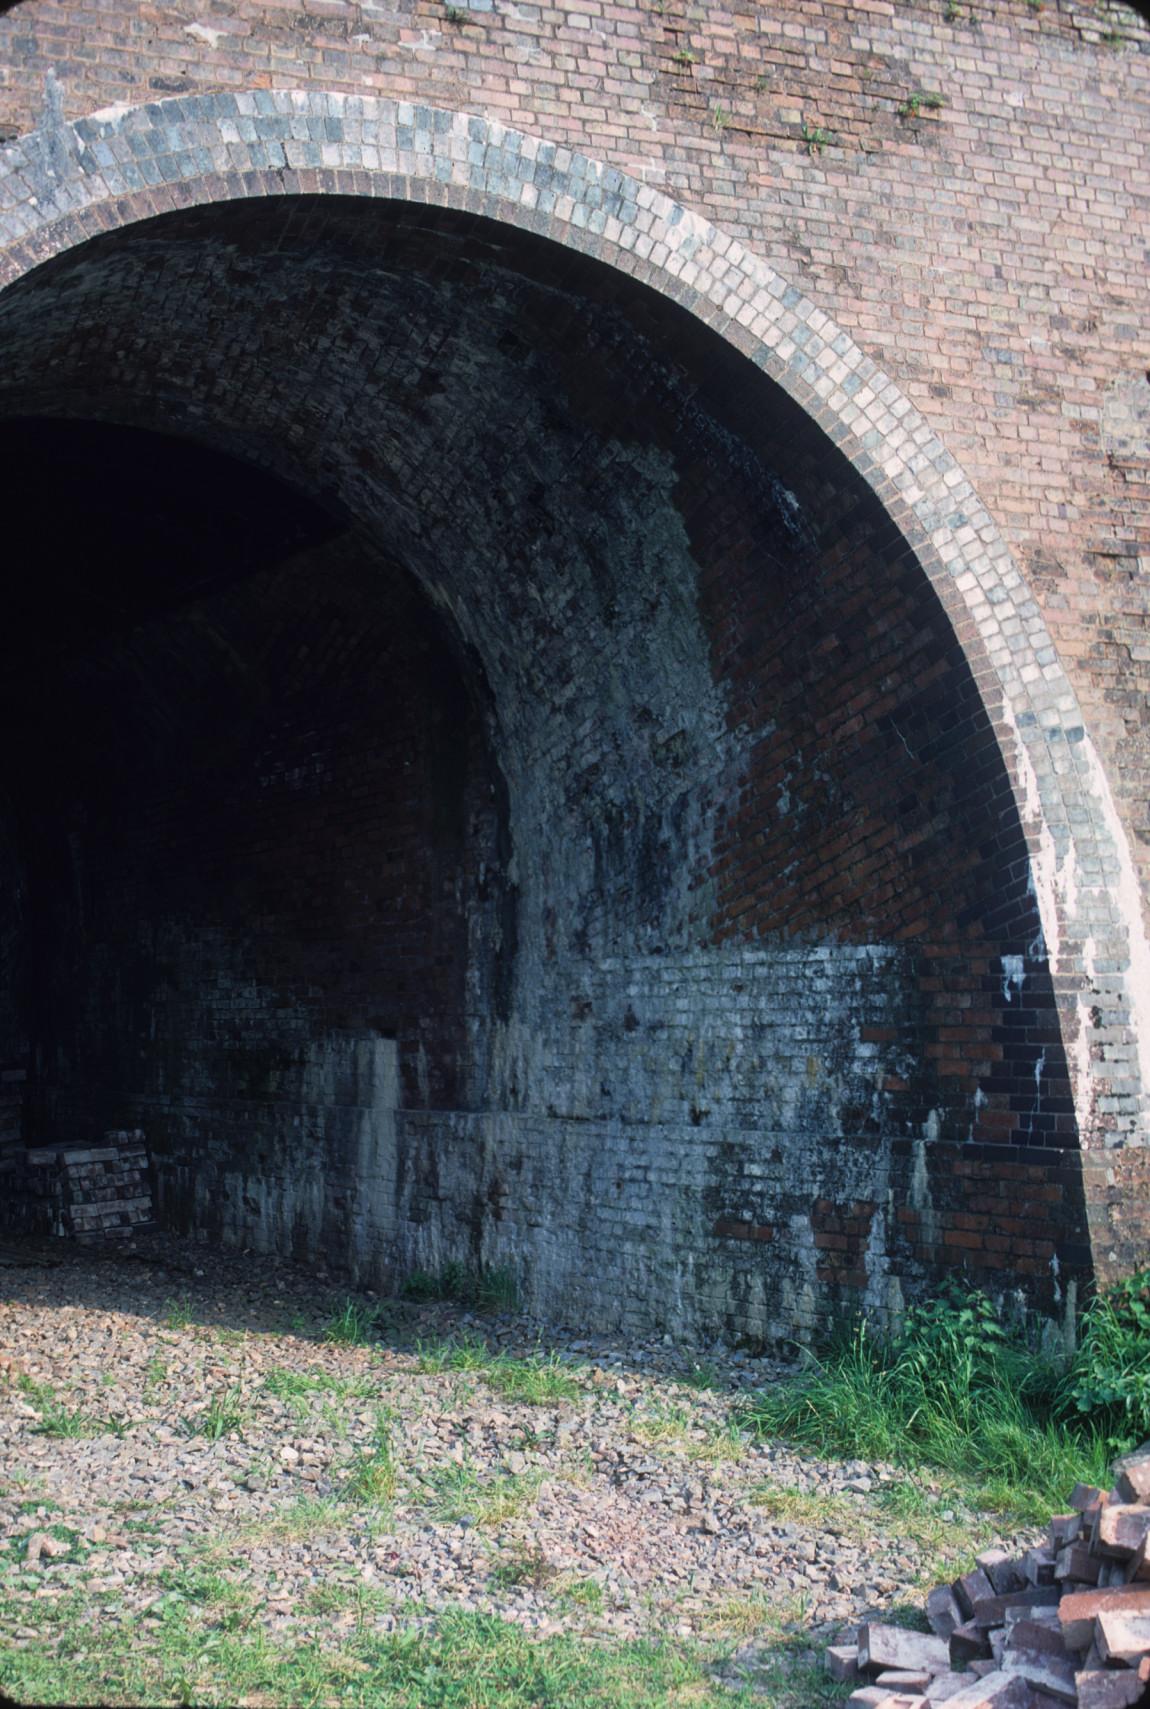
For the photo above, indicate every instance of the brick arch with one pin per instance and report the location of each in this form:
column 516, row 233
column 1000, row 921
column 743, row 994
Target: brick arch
column 62, row 186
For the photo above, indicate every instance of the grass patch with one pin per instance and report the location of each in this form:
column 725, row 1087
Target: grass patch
column 299, row 1391
column 494, row 1289
column 754, row 1615
column 64, row 1422
column 196, row 1585
column 155, row 1376
column 523, row 1567
column 14, row 1550
column 582, row 1595
column 703, row 1375
column 371, row 1476
column 178, row 1314
column 88, row 1653
column 355, row 1597
column 672, row 1425
column 310, row 1516
column 812, row 1509
column 954, row 1391
column 903, row 1512
column 223, row 1416
column 542, row 1379
column 457, row 1492
column 663, row 1424
column 356, row 1324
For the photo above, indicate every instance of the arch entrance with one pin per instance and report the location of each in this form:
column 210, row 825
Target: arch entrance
column 563, row 774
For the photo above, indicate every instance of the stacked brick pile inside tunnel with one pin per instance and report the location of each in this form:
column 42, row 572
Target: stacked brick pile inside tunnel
column 503, row 790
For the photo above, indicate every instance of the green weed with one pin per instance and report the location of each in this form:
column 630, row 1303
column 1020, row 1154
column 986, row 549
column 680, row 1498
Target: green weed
column 922, row 101
column 178, row 1312
column 523, row 1567
column 494, row 1289
column 60, row 1421
column 458, row 1493
column 954, row 1390
column 307, row 1517
column 77, row 1549
column 299, row 1389
column 585, row 1594
column 371, row 1478
column 1109, row 1378
column 355, row 1324
column 222, row 1416
column 811, row 1508
column 703, row 1375
column 539, row 1380
column 155, row 1375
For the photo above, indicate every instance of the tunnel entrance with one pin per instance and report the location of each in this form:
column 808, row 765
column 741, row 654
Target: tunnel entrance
column 498, row 787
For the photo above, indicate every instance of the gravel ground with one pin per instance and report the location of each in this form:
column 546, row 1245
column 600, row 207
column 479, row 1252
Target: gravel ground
column 168, row 1406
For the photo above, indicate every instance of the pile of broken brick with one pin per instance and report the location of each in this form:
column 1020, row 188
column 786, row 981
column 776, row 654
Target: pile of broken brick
column 1066, row 1623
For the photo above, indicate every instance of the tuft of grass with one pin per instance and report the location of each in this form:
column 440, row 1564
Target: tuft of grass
column 155, row 1376
column 372, row 1473
column 754, row 1614
column 77, row 1549
column 178, row 1312
column 811, row 1508
column 921, row 101
column 539, row 1380
column 295, row 1523
column 63, row 1422
column 722, row 1440
column 458, row 1492
column 672, row 1425
column 223, row 1415
column 955, row 1391
column 663, row 1423
column 355, row 1324
column 360, row 1599
column 494, row 1289
column 523, row 1567
column 585, row 1594
column 299, row 1385
column 703, row 1375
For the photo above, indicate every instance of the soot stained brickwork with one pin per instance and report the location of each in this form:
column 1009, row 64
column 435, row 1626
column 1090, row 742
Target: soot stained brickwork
column 592, row 854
